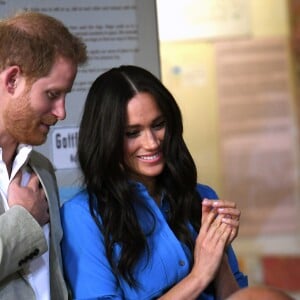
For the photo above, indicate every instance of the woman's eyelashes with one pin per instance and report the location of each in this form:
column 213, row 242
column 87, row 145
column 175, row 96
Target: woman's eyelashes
column 136, row 131
column 159, row 125
column 132, row 133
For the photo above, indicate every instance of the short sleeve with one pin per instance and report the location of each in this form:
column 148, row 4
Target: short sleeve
column 241, row 279
column 206, row 191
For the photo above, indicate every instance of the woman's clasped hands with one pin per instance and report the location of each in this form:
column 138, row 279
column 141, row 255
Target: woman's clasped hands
column 221, row 219
column 219, row 227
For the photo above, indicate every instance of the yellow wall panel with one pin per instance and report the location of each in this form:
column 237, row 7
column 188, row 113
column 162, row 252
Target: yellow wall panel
column 269, row 18
column 188, row 70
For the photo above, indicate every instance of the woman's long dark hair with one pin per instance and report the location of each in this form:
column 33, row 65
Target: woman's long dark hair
column 101, row 157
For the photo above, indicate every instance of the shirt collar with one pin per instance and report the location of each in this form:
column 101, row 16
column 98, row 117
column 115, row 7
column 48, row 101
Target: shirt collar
column 22, row 155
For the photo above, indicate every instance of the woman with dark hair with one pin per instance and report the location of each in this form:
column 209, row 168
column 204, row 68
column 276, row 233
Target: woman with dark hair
column 142, row 228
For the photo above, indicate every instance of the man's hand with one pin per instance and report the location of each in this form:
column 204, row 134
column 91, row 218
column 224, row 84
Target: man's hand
column 31, row 197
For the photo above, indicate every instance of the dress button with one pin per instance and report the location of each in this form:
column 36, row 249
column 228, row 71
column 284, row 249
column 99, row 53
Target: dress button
column 181, row 263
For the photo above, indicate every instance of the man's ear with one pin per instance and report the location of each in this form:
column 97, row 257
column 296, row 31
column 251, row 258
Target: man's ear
column 11, row 78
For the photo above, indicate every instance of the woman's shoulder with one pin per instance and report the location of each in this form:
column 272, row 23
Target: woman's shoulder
column 78, row 200
column 206, row 191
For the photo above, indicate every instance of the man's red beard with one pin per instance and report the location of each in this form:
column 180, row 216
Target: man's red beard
column 24, row 124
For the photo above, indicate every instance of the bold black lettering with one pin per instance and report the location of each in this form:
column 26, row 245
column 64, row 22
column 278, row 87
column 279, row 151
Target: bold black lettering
column 58, row 140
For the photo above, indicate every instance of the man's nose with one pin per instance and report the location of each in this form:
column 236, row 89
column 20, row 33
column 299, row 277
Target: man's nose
column 59, row 109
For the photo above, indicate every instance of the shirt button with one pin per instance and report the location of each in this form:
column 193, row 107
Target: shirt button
column 181, row 263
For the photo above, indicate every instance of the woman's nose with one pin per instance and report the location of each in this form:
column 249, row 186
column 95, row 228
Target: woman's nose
column 150, row 140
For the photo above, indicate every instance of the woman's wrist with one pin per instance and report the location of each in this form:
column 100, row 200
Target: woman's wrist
column 198, row 281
